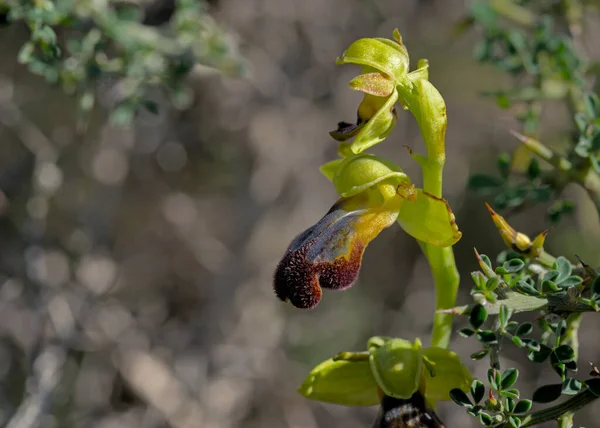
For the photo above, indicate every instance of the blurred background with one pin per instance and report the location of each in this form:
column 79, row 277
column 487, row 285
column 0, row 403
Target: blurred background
column 136, row 264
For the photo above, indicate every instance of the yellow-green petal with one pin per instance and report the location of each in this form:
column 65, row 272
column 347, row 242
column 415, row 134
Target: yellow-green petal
column 348, row 383
column 397, row 366
column 422, row 71
column 378, row 126
column 449, row 373
column 429, row 219
column 358, row 173
column 378, row 84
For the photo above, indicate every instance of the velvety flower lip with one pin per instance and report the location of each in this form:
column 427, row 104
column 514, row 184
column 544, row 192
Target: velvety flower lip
column 328, row 254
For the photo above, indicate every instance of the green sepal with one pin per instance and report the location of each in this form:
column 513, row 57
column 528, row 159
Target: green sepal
column 329, row 169
column 348, row 383
column 397, row 366
column 448, row 373
column 429, row 219
column 358, row 173
column 381, row 54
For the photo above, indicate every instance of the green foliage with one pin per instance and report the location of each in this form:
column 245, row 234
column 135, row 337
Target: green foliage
column 76, row 45
column 545, row 66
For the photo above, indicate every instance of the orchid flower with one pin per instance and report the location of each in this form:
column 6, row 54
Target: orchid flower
column 395, row 367
column 375, row 194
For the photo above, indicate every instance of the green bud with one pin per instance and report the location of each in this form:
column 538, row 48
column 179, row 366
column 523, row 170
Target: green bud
column 397, row 367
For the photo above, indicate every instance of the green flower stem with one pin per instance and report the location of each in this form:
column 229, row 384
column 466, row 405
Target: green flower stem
column 441, row 259
column 570, row 337
column 446, row 280
column 441, row 262
column 555, row 412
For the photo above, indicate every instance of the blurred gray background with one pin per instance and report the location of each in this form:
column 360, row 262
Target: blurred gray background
column 136, row 264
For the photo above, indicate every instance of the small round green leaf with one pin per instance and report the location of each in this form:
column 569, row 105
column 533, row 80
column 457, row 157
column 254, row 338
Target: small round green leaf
column 518, row 341
column 487, row 337
column 523, row 406
column 570, row 281
column 514, row 265
column 504, row 315
column 525, row 288
column 524, row 329
column 549, row 287
column 551, row 275
column 460, row 398
column 479, row 279
column 571, row 386
column 477, row 316
column 480, row 354
column 466, row 332
column 510, row 393
column 485, row 419
column 493, row 378
column 541, row 355
column 560, row 369
column 564, row 353
column 486, row 260
column 510, row 405
column 532, row 344
column 547, row 393
column 492, row 283
column 594, row 386
column 514, row 421
column 512, row 325
column 563, row 266
column 477, row 391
